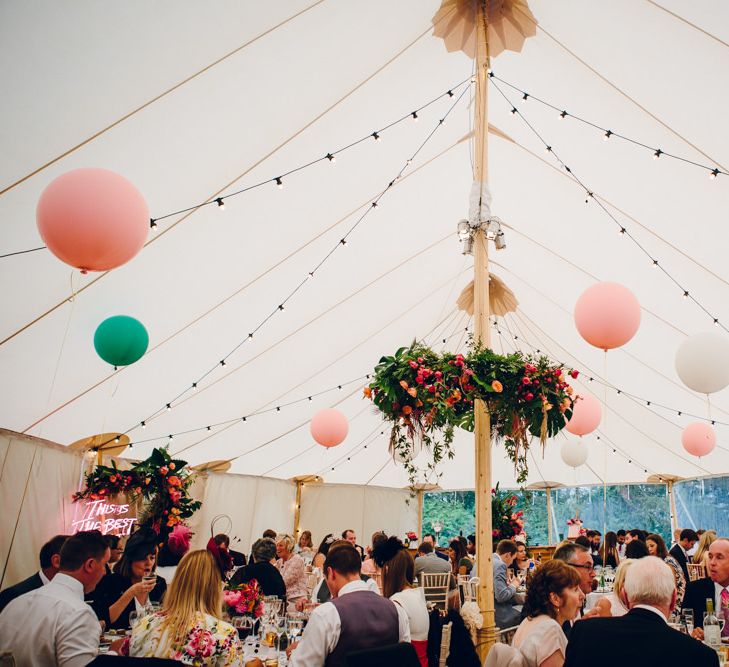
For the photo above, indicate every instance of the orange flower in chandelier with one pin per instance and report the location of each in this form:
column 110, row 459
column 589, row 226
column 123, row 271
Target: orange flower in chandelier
column 497, row 386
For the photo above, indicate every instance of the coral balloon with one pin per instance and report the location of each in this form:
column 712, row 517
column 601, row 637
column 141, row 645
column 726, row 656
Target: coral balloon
column 121, row 340
column 607, row 315
column 92, row 219
column 329, row 427
column 698, row 439
column 586, row 415
column 574, row 453
column 702, row 362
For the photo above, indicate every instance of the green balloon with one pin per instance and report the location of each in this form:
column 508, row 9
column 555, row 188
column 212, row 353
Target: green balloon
column 121, row 340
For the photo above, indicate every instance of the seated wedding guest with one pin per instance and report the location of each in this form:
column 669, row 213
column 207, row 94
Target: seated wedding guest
column 305, row 547
column 609, row 556
column 686, row 542
column 657, row 547
column 261, row 568
column 350, row 536
column 584, row 541
column 218, row 546
column 115, row 550
column 594, row 537
column 521, row 561
column 52, row 625
column 701, row 555
column 616, row 597
column 651, row 593
column 321, row 592
column 471, row 547
column 126, row 590
column 270, row 533
column 553, row 598
column 429, row 537
column 427, row 561
column 636, row 549
column 354, row 619
column 189, row 626
column 170, row 555
column 634, row 534
column 714, row 587
column 621, row 543
column 369, row 567
column 458, row 558
column 506, row 614
column 50, row 558
column 398, row 574
column 579, row 558
column 292, row 568
column 321, row 552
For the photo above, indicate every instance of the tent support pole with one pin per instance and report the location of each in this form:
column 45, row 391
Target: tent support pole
column 672, row 507
column 297, row 510
column 482, row 430
column 421, row 492
column 550, row 533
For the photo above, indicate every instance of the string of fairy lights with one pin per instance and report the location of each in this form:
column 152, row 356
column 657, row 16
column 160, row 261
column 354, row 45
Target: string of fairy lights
column 278, row 180
column 637, row 400
column 244, row 418
column 622, row 229
column 193, row 386
column 712, row 170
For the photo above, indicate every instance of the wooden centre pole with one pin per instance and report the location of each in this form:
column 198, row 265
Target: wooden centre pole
column 297, row 510
column 550, row 535
column 482, row 429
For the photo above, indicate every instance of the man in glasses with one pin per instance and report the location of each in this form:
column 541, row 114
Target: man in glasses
column 578, row 557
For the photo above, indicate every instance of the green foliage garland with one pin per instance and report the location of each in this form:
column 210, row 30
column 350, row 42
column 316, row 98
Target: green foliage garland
column 426, row 395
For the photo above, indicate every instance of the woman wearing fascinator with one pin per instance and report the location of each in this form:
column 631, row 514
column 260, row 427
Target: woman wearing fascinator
column 398, row 574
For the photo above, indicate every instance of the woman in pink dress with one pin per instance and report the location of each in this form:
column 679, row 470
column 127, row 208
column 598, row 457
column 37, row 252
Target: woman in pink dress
column 292, row 568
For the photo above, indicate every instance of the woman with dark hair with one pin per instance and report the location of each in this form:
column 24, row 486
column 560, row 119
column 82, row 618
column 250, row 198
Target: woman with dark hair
column 657, row 547
column 369, row 567
column 636, row 549
column 218, row 546
column 321, row 554
column 552, row 598
column 458, row 558
column 132, row 585
column 398, row 573
column 609, row 550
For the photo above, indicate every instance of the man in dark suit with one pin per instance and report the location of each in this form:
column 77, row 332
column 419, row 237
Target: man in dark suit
column 650, row 592
column 686, row 541
column 712, row 587
column 50, row 560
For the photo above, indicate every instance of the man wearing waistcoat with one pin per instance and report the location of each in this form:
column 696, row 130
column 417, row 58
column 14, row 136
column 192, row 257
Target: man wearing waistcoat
column 354, row 619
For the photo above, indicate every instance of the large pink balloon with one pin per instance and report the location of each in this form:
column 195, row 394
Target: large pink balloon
column 698, row 439
column 607, row 315
column 329, row 427
column 586, row 415
column 92, row 219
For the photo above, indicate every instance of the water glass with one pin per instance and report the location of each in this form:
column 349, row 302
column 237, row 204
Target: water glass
column 295, row 624
column 687, row 616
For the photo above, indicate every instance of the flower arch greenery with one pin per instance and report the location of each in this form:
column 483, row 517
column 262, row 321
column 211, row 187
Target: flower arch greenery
column 426, row 395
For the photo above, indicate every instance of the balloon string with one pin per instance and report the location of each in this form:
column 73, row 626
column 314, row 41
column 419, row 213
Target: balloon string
column 72, row 300
column 708, row 405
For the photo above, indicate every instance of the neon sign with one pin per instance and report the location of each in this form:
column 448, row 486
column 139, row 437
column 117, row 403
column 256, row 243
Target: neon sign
column 109, row 518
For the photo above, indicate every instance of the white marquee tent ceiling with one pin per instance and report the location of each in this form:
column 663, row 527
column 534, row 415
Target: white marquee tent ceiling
column 321, row 81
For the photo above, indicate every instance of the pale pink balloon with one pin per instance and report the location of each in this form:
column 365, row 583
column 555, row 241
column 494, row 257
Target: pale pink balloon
column 698, row 439
column 607, row 315
column 92, row 219
column 586, row 415
column 329, row 427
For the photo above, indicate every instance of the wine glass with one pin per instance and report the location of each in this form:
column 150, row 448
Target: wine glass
column 133, row 619
column 295, row 622
column 244, row 626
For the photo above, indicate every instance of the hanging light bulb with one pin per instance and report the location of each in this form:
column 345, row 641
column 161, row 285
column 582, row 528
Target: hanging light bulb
column 221, row 204
column 331, row 158
column 376, row 136
column 279, row 182
column 607, row 135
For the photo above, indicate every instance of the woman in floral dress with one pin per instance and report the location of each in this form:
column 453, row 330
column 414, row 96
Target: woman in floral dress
column 189, row 629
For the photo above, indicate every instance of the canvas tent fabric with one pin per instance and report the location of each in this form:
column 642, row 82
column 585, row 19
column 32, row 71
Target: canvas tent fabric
column 333, row 74
column 38, row 478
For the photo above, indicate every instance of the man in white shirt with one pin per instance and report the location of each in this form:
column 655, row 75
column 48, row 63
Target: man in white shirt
column 355, row 618
column 52, row 625
column 50, row 557
column 621, row 544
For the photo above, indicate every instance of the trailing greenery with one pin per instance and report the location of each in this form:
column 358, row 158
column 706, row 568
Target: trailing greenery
column 426, row 395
